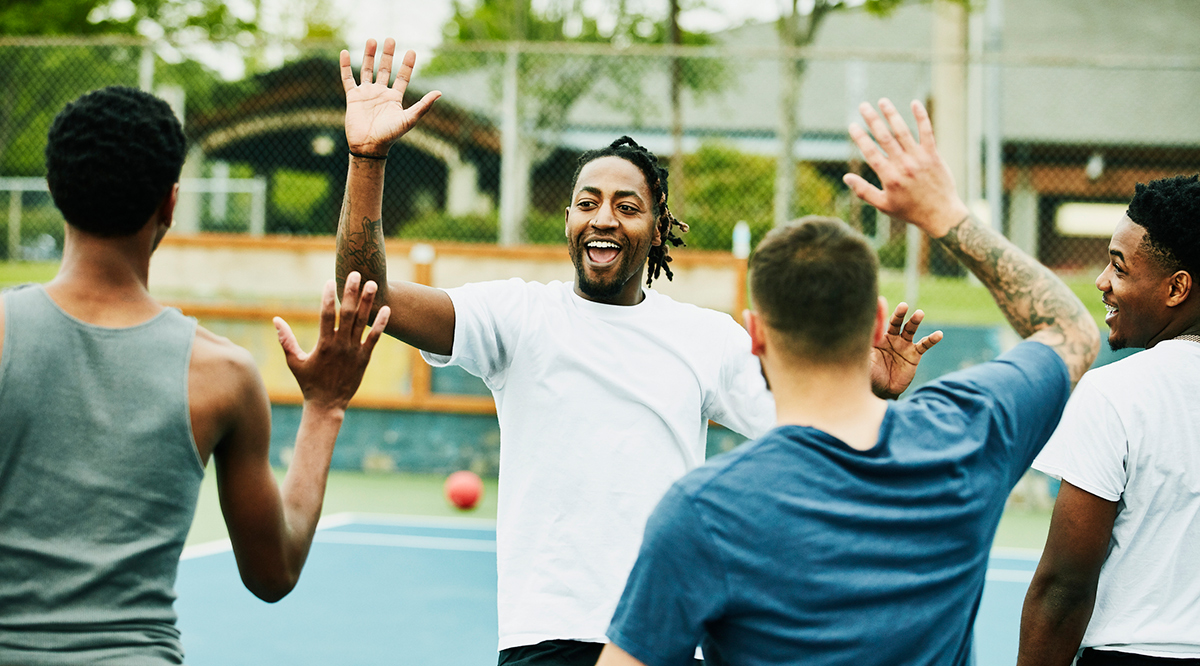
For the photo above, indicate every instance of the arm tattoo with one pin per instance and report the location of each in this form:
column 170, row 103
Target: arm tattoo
column 362, row 250
column 1032, row 298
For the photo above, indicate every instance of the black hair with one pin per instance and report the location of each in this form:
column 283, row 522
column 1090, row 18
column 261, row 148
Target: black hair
column 816, row 282
column 111, row 157
column 1169, row 211
column 656, row 179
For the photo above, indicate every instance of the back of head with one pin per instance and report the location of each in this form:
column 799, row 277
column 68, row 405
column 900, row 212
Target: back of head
column 1169, row 211
column 111, row 157
column 816, row 283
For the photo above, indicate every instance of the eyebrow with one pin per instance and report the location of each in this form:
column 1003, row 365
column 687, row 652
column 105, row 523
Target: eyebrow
column 1117, row 254
column 619, row 194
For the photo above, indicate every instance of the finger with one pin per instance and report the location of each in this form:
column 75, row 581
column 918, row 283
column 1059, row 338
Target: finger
column 368, row 63
column 291, row 348
column 871, row 153
column 385, row 61
column 363, row 314
column 929, row 341
column 924, row 126
column 350, row 302
column 381, row 321
column 910, row 329
column 404, row 74
column 328, row 311
column 865, row 191
column 347, row 71
column 899, row 127
column 897, row 318
column 880, row 130
column 420, row 108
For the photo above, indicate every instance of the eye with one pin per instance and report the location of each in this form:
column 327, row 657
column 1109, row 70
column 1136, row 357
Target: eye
column 585, row 204
column 628, row 208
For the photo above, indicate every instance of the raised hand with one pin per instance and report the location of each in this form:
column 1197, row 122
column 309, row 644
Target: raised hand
column 894, row 361
column 917, row 186
column 330, row 374
column 375, row 113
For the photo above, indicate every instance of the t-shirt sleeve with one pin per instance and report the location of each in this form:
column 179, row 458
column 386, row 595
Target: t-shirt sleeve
column 487, row 326
column 1022, row 393
column 742, row 401
column 1090, row 449
column 677, row 585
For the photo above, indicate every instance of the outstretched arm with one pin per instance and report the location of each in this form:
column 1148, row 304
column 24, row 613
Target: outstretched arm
column 271, row 528
column 918, row 188
column 375, row 120
column 1059, row 602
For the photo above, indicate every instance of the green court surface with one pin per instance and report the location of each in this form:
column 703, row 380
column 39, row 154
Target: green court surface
column 421, row 495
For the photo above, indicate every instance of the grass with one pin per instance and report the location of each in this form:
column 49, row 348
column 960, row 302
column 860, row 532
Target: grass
column 20, row 272
column 963, row 302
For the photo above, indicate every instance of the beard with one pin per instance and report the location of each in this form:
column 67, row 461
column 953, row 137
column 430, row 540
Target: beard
column 1116, row 344
column 601, row 289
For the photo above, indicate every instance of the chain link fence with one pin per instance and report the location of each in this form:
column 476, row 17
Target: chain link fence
column 1052, row 146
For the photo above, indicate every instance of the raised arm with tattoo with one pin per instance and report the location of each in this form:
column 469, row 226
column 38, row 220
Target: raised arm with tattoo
column 917, row 187
column 375, row 120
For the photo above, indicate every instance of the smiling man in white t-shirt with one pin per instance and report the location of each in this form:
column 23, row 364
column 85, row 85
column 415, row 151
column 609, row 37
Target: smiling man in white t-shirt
column 1123, row 556
column 603, row 388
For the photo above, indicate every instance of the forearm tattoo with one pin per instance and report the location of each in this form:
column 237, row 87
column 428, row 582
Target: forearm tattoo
column 359, row 248
column 1031, row 297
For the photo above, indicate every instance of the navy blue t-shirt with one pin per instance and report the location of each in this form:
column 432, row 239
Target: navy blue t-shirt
column 798, row 548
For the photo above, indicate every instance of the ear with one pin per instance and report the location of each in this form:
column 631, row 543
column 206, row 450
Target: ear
column 567, row 222
column 658, row 237
column 166, row 209
column 757, row 330
column 1179, row 287
column 881, row 322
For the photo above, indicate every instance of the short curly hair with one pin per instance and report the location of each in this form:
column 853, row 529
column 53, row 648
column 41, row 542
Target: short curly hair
column 1169, row 211
column 111, row 157
column 656, row 180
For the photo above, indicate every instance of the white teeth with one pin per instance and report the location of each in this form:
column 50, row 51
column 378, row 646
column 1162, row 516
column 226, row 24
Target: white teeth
column 604, row 244
column 1110, row 308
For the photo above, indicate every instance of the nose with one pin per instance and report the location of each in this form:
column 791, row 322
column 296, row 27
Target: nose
column 605, row 218
column 1103, row 282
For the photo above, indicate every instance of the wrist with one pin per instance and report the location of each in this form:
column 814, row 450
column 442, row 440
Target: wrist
column 325, row 409
column 374, row 149
column 942, row 221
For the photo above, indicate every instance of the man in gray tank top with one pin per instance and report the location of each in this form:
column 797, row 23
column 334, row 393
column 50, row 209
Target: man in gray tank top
column 111, row 406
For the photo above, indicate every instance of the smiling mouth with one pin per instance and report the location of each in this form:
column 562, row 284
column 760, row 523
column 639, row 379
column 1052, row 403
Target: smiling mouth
column 602, row 252
column 1110, row 309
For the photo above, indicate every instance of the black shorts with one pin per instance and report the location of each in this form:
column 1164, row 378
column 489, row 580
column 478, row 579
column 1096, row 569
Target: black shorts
column 1092, row 657
column 554, row 653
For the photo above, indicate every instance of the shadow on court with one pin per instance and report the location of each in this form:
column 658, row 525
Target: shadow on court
column 409, row 590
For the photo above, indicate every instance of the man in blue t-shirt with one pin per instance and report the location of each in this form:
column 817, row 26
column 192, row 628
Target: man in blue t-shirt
column 857, row 531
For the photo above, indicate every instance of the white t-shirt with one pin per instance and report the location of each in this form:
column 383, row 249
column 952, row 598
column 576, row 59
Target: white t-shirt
column 1131, row 434
column 601, row 409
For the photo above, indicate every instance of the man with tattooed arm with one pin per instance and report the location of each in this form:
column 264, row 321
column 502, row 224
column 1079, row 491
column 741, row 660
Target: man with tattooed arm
column 603, row 388
column 858, row 530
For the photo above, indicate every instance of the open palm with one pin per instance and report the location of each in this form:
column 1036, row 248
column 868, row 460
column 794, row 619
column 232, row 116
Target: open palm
column 375, row 113
column 894, row 360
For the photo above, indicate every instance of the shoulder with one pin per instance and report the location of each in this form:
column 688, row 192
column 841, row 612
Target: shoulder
column 750, row 461
column 218, row 359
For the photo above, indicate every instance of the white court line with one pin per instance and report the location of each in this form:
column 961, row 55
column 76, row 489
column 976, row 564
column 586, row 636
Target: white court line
column 205, row 549
column 1009, row 575
column 1032, row 554
column 406, row 541
column 463, row 523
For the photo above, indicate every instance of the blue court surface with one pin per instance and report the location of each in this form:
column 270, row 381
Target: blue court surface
column 381, row 589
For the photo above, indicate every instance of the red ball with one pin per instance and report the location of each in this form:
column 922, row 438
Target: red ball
column 464, row 489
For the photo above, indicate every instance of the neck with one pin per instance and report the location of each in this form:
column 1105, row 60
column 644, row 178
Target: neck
column 105, row 280
column 834, row 398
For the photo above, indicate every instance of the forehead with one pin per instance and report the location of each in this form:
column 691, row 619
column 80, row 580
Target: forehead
column 610, row 174
column 1127, row 238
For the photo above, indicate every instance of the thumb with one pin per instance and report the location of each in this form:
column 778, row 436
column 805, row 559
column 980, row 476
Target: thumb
column 864, row 190
column 287, row 340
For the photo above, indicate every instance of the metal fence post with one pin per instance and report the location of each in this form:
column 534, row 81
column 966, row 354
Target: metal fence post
column 510, row 146
column 14, row 223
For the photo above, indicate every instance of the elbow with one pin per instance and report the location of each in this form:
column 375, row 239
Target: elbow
column 271, row 588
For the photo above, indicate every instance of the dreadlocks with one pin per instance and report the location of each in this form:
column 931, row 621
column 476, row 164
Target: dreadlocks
column 656, row 179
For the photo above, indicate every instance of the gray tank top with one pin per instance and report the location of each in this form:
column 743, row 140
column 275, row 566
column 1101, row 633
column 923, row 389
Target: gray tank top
column 98, row 483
